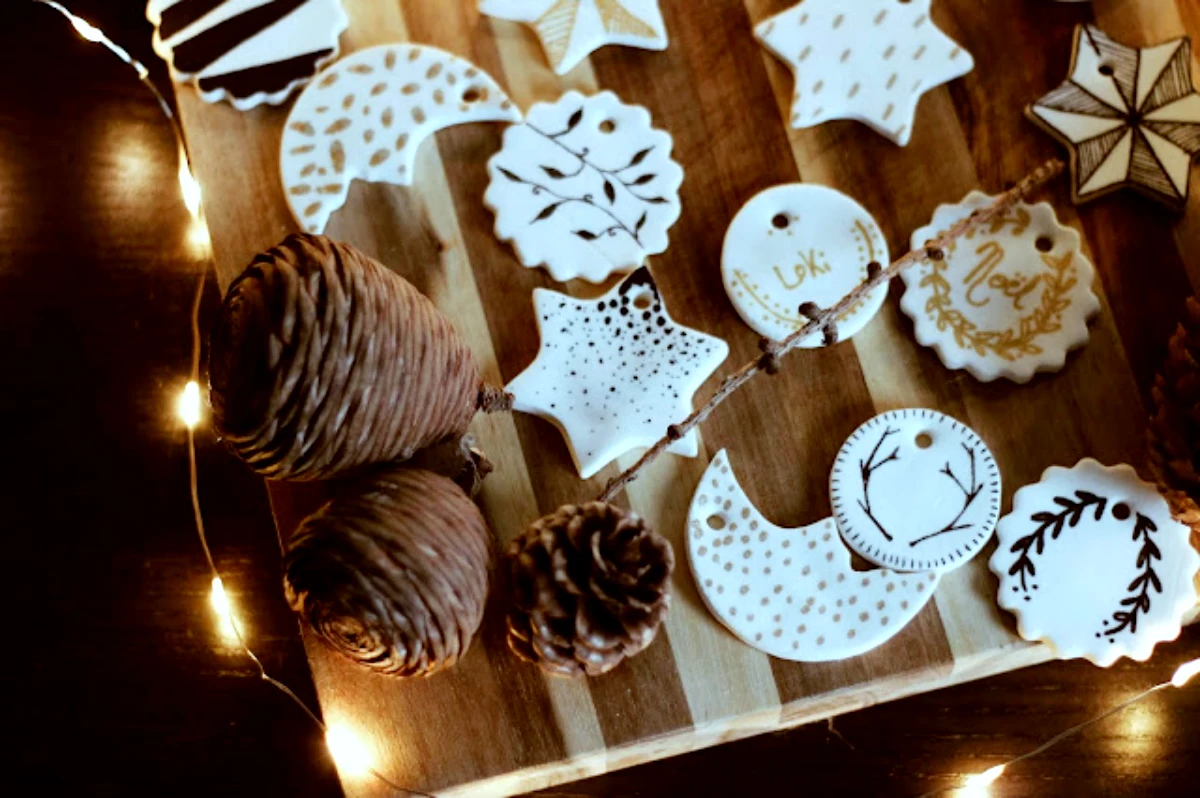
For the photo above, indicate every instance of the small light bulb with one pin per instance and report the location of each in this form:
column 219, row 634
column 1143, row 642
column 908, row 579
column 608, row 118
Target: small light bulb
column 86, row 29
column 189, row 187
column 349, row 752
column 189, row 405
column 1185, row 672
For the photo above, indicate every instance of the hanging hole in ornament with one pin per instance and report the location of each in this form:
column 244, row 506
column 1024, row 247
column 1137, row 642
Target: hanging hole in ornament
column 1106, row 70
column 1120, row 511
column 608, row 126
column 473, row 94
column 1044, row 243
column 923, row 440
column 716, row 522
column 780, row 221
column 642, row 301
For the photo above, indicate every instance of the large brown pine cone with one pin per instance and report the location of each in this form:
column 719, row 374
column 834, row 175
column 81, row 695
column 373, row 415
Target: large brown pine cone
column 590, row 587
column 393, row 572
column 1174, row 433
column 322, row 360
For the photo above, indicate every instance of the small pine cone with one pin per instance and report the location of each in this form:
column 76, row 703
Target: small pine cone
column 1174, row 433
column 590, row 587
column 393, row 572
column 323, row 360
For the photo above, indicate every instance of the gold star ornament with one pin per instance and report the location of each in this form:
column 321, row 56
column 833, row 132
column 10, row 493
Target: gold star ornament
column 570, row 30
column 1130, row 117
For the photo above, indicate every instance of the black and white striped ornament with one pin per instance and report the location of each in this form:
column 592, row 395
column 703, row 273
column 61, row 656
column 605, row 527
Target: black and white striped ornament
column 246, row 51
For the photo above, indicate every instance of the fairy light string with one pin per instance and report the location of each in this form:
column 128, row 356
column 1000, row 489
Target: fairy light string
column 346, row 748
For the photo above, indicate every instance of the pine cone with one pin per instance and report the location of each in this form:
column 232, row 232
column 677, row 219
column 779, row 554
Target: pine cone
column 323, row 360
column 1174, row 434
column 590, row 588
column 392, row 573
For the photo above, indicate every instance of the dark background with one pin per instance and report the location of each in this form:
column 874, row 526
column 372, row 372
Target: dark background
column 117, row 681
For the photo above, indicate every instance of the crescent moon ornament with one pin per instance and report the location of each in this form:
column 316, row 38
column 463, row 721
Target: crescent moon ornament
column 367, row 115
column 915, row 490
column 791, row 592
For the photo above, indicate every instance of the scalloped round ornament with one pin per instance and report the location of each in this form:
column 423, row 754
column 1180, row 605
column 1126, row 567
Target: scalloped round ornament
column 1092, row 563
column 585, row 186
column 1008, row 300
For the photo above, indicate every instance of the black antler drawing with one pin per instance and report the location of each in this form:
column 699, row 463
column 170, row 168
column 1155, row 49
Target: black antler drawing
column 969, row 497
column 1143, row 582
column 868, row 467
column 1070, row 515
column 610, row 178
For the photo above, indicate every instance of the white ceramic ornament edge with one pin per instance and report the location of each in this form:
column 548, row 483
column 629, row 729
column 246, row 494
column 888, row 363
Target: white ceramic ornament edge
column 953, row 356
column 1027, row 627
column 534, row 252
column 341, row 23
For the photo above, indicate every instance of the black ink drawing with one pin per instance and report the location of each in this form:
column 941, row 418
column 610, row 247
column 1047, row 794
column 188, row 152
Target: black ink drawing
column 625, row 176
column 869, row 466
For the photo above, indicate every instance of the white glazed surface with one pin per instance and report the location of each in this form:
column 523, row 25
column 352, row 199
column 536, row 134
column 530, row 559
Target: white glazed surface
column 870, row 61
column 791, row 592
column 800, row 243
column 570, row 30
column 1130, row 116
column 585, row 187
column 313, row 26
column 366, row 116
column 915, row 490
column 614, row 372
column 1070, row 588
column 998, row 306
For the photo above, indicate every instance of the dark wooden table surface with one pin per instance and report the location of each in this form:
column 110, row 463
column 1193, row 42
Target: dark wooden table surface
column 117, row 679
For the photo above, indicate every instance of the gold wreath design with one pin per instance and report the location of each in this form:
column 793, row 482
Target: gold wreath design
column 1021, row 339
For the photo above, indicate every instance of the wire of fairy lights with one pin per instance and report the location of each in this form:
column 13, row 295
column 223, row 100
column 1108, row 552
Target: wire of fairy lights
column 348, row 750
column 352, row 756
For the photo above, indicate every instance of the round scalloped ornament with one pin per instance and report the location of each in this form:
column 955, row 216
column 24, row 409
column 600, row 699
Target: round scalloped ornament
column 1091, row 562
column 585, row 186
column 915, row 490
column 1009, row 300
column 248, row 52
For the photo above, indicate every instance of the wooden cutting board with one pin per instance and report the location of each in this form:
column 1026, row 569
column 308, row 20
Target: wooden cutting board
column 493, row 725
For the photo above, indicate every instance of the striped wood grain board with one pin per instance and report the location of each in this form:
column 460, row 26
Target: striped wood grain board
column 493, row 725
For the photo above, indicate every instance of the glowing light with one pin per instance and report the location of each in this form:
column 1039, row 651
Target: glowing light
column 223, row 608
column 189, row 405
column 1185, row 672
column 189, row 187
column 86, row 29
column 349, row 752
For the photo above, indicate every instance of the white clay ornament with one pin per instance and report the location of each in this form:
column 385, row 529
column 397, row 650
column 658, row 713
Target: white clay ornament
column 614, row 372
column 915, row 490
column 1091, row 562
column 870, row 61
column 1130, row 117
column 800, row 243
column 791, row 592
column 585, row 187
column 570, row 30
column 366, row 116
column 1007, row 300
column 246, row 51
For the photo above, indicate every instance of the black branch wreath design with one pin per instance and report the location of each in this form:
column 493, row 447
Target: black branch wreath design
column 1134, row 605
column 868, row 467
column 610, row 177
column 1054, row 523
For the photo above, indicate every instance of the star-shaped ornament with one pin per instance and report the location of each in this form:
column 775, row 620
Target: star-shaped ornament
column 1130, row 117
column 869, row 61
column 614, row 372
column 570, row 30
